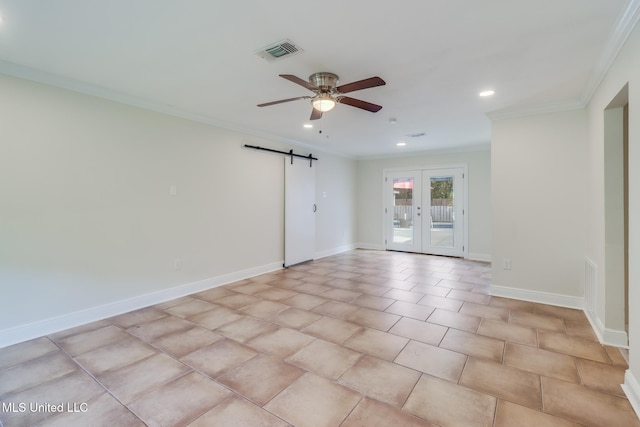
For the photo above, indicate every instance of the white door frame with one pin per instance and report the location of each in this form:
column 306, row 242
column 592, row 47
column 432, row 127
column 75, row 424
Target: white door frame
column 465, row 183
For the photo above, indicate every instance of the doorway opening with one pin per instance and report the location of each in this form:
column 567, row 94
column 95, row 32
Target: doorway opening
column 616, row 214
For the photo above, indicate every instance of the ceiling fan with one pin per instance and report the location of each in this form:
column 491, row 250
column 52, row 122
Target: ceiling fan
column 328, row 94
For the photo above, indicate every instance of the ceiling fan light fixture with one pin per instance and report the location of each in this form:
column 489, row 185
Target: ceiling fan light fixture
column 323, row 103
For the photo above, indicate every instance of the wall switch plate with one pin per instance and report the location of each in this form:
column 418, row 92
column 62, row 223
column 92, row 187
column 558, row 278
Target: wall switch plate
column 173, row 190
column 177, row 264
column 507, row 264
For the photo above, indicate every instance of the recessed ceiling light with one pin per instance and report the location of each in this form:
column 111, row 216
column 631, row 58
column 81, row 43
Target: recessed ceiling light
column 308, row 125
column 487, row 93
column 401, row 144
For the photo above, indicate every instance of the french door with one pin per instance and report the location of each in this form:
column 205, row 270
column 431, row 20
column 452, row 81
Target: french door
column 424, row 211
column 403, row 212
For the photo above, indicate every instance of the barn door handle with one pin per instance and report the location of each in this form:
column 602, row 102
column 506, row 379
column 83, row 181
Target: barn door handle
column 315, row 208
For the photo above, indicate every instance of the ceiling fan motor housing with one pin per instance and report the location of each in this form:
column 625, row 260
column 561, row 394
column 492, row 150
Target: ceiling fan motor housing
column 325, row 81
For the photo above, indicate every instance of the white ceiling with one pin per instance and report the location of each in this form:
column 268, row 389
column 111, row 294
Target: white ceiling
column 196, row 59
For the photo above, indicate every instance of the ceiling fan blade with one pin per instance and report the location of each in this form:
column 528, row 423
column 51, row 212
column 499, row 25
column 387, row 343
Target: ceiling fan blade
column 358, row 103
column 315, row 114
column 361, row 84
column 298, row 80
column 266, row 104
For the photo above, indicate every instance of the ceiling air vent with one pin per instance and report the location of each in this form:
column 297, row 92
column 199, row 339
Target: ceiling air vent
column 279, row 50
column 416, row 134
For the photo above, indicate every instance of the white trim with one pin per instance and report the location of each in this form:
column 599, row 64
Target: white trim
column 607, row 336
column 624, row 26
column 536, row 296
column 513, row 113
column 426, row 167
column 370, row 246
column 632, row 389
column 615, row 338
column 335, row 251
column 479, row 257
column 39, row 76
column 44, row 327
column 479, row 148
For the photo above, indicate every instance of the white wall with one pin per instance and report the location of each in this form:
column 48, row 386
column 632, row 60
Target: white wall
column 538, row 187
column 336, row 224
column 625, row 69
column 370, row 196
column 87, row 225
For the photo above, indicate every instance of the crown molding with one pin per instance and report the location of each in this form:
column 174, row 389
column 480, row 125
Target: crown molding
column 623, row 28
column 50, row 79
column 513, row 113
column 625, row 24
column 481, row 147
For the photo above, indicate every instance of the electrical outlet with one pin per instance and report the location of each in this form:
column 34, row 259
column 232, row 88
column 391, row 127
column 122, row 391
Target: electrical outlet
column 507, row 264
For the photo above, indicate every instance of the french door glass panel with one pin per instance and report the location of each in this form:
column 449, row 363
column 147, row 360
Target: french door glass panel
column 424, row 211
column 403, row 210
column 441, row 211
column 443, row 196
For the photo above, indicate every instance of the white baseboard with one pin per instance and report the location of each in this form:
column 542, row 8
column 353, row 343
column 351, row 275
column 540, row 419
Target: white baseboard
column 370, row 246
column 48, row 326
column 537, row 296
column 632, row 390
column 335, row 251
column 479, row 257
column 607, row 336
column 470, row 256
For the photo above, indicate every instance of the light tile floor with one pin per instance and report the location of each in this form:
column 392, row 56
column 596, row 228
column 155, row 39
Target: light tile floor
column 363, row 338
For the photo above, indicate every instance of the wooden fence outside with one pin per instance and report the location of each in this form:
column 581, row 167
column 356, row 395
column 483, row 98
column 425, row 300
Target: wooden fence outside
column 404, row 214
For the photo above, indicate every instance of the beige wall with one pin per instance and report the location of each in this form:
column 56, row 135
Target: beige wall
column 87, row 222
column 538, row 183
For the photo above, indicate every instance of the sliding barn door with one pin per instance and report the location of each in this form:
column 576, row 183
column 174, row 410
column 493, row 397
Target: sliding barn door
column 299, row 211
